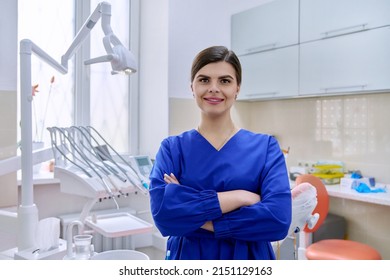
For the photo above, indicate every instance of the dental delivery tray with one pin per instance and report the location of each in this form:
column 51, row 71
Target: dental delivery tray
column 118, row 224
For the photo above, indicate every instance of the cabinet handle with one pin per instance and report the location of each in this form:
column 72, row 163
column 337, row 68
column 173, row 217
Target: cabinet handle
column 332, row 89
column 344, row 30
column 261, row 48
column 271, row 93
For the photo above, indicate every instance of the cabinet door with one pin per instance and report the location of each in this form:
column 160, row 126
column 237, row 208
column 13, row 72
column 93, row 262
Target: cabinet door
column 357, row 62
column 329, row 18
column 269, row 26
column 270, row 74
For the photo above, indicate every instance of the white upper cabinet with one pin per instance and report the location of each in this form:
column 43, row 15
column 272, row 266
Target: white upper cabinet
column 357, row 62
column 270, row 74
column 321, row 19
column 343, row 47
column 269, row 26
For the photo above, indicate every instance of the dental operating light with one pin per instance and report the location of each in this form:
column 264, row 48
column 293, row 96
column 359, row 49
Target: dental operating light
column 122, row 61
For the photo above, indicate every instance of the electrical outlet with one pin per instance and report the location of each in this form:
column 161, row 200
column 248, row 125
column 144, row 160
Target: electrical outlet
column 308, row 164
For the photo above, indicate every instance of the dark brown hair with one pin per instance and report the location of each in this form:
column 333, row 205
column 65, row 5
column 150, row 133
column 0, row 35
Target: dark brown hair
column 216, row 54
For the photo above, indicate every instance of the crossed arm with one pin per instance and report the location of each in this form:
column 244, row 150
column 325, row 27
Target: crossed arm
column 228, row 201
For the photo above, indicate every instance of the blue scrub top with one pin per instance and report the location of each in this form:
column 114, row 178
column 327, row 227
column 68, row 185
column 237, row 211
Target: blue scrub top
column 248, row 161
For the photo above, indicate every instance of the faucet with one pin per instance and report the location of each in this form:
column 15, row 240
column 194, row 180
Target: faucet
column 69, row 236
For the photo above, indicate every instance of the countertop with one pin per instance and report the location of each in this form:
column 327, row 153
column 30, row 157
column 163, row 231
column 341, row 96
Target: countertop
column 347, row 193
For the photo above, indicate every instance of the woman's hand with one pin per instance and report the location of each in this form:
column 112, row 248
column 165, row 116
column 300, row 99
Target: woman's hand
column 208, row 226
column 170, row 179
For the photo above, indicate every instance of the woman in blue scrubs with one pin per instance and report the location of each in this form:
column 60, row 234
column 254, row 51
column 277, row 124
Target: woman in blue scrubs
column 219, row 192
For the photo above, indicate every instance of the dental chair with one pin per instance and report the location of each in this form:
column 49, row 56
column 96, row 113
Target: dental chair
column 329, row 249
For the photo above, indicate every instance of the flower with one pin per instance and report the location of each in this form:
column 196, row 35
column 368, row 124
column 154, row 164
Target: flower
column 39, row 129
column 35, row 89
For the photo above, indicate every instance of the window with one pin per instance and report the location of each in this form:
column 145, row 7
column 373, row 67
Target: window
column 59, row 100
column 109, row 95
column 50, row 25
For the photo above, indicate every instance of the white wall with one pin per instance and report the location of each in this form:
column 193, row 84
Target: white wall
column 8, row 48
column 8, row 99
column 153, row 71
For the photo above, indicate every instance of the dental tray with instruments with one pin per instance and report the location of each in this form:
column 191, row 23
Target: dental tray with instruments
column 118, row 224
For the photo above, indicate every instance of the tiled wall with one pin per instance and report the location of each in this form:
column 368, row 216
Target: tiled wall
column 351, row 128
column 8, row 141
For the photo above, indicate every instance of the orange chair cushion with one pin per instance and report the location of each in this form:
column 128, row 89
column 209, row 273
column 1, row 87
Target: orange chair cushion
column 340, row 249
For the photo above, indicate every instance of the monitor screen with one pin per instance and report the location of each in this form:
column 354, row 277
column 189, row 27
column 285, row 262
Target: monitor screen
column 142, row 161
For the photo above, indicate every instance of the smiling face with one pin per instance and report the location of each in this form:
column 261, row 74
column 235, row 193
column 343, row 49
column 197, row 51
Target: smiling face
column 215, row 88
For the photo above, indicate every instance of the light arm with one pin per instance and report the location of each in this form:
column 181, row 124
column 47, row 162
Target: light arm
column 85, row 30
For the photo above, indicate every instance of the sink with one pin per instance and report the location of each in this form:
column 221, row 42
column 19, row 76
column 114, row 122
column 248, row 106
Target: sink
column 120, row 255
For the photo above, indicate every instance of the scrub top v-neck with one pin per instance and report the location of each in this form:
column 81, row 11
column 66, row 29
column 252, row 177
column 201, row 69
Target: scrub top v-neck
column 247, row 161
column 222, row 145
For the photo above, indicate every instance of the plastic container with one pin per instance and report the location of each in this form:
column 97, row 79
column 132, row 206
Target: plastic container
column 330, row 174
column 83, row 246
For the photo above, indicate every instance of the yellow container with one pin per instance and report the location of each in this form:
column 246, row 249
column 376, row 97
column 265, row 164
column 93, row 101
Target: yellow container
column 329, row 173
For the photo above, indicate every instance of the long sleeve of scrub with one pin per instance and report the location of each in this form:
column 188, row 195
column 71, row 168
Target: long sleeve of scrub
column 248, row 161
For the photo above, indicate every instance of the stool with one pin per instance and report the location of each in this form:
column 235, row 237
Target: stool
column 340, row 249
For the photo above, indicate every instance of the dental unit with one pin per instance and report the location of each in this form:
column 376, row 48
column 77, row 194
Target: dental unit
column 89, row 167
column 89, row 172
